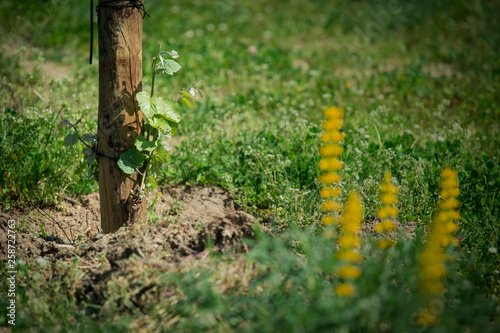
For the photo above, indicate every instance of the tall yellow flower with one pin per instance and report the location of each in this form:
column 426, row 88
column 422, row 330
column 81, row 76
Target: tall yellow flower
column 330, row 163
column 433, row 258
column 349, row 244
column 387, row 211
column 345, row 289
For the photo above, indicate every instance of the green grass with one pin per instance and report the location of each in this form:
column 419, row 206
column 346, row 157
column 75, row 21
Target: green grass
column 418, row 82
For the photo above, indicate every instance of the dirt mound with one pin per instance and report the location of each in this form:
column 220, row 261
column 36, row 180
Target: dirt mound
column 184, row 219
column 187, row 224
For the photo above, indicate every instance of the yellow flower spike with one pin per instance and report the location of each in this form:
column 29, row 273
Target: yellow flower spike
column 389, row 188
column 450, row 203
column 350, row 272
column 433, row 287
column 329, row 178
column 352, row 227
column 454, row 192
column 336, row 164
column 386, row 186
column 325, row 137
column 346, row 241
column 388, row 199
column 333, row 112
column 387, row 211
column 454, row 215
column 434, row 271
column 331, row 150
column 433, row 259
column 451, row 227
column 332, row 124
column 337, row 220
column 349, row 255
column 443, row 217
column 447, row 172
column 336, row 136
column 354, row 210
column 345, row 289
column 383, row 213
column 449, row 183
column 447, row 193
column 330, row 164
column 393, row 211
column 323, row 164
column 329, row 206
column 426, row 318
column 388, row 225
column 386, row 243
column 444, row 241
column 327, row 220
column 329, row 192
column 429, row 257
column 392, row 189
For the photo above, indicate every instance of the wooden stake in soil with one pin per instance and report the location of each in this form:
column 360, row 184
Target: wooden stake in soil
column 120, row 120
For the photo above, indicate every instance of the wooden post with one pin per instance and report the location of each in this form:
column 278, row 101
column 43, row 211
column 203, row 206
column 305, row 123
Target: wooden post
column 119, row 118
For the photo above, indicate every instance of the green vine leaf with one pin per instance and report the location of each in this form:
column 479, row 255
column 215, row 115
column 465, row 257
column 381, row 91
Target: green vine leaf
column 167, row 66
column 162, row 113
column 142, row 144
column 87, row 151
column 90, row 159
column 160, row 122
column 88, row 137
column 131, row 160
column 163, row 153
column 70, row 139
column 159, row 159
column 169, row 128
column 167, row 108
column 173, row 128
column 188, row 100
column 144, row 102
column 153, row 182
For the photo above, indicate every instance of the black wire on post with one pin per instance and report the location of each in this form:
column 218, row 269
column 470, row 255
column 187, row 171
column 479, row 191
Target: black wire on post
column 119, row 4
column 91, row 30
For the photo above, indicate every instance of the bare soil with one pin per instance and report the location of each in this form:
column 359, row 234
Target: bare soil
column 188, row 224
column 185, row 218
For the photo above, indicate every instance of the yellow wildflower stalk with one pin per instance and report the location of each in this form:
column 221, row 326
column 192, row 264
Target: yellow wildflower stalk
column 349, row 243
column 387, row 211
column 433, row 258
column 330, row 163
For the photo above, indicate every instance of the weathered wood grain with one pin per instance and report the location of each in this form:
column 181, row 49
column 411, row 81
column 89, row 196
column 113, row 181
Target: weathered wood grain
column 119, row 118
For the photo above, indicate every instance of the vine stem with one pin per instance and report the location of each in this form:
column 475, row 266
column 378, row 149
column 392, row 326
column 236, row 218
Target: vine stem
column 73, row 126
column 143, row 178
column 153, row 73
column 153, row 70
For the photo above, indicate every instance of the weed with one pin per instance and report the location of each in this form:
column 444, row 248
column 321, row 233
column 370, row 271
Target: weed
column 22, row 227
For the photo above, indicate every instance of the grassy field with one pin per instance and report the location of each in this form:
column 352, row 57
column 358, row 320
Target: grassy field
column 418, row 81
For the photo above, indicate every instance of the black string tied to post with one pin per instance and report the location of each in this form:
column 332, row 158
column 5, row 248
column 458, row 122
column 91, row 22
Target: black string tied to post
column 119, row 4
